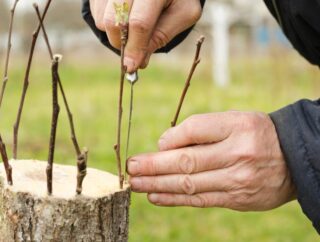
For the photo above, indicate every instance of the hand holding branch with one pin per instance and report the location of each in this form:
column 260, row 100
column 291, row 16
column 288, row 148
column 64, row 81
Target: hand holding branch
column 152, row 25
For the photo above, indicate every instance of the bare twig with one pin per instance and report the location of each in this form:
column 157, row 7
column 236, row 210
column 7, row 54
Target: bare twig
column 45, row 35
column 196, row 61
column 82, row 157
column 54, row 121
column 5, row 160
column 3, row 149
column 70, row 116
column 122, row 13
column 26, row 82
column 129, row 125
column 117, row 147
column 5, row 77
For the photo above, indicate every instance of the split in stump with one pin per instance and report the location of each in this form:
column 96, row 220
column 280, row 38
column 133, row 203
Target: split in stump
column 27, row 213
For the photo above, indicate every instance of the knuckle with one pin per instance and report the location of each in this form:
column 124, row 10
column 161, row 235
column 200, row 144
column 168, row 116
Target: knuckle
column 195, row 13
column 187, row 164
column 250, row 121
column 109, row 24
column 198, row 201
column 242, row 202
column 160, row 39
column 151, row 166
column 248, row 152
column 100, row 24
column 245, row 178
column 187, row 185
column 154, row 185
column 139, row 26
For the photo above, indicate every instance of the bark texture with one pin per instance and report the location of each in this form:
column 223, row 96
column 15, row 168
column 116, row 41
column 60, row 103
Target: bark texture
column 28, row 214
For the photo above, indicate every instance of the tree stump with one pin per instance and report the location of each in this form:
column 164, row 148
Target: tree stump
column 27, row 213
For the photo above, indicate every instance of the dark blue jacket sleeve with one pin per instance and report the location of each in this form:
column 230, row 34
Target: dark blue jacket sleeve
column 298, row 128
column 298, row 125
column 86, row 13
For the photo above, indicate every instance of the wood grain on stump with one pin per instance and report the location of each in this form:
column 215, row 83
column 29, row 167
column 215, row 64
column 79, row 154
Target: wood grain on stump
column 28, row 214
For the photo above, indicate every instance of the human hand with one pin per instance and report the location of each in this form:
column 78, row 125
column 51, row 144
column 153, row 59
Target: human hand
column 230, row 160
column 152, row 25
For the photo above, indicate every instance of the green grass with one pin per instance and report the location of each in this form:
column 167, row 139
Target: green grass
column 92, row 90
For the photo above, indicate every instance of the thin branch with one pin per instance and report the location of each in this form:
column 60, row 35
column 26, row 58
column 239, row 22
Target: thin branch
column 196, row 61
column 6, row 68
column 124, row 37
column 3, row 149
column 70, row 116
column 26, row 82
column 82, row 157
column 54, row 121
column 45, row 35
column 129, row 126
column 5, row 160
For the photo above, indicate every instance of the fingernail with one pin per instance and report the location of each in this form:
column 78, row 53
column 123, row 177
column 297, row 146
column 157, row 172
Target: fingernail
column 135, row 184
column 133, row 168
column 129, row 63
column 154, row 198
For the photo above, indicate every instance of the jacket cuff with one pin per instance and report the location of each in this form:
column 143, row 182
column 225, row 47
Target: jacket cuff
column 86, row 13
column 298, row 130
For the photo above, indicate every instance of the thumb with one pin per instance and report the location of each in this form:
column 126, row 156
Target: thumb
column 178, row 17
column 199, row 129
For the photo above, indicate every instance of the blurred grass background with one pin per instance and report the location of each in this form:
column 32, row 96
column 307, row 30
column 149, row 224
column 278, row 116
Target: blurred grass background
column 265, row 84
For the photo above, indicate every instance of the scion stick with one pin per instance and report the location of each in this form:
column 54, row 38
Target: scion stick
column 196, row 61
column 5, row 77
column 5, row 160
column 122, row 17
column 26, row 83
column 3, row 149
column 54, row 121
column 82, row 157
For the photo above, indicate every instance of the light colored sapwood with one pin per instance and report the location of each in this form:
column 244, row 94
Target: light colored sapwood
column 101, row 213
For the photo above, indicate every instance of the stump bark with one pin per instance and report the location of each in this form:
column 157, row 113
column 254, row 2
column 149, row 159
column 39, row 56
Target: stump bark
column 101, row 213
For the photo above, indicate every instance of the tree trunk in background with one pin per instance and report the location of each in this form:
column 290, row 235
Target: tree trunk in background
column 28, row 214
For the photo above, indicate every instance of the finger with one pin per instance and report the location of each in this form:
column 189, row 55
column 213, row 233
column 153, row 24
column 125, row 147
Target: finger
column 199, row 129
column 208, row 181
column 112, row 30
column 142, row 21
column 177, row 18
column 97, row 8
column 203, row 200
column 187, row 160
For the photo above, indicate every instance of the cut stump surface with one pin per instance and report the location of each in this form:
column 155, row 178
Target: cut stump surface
column 27, row 213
